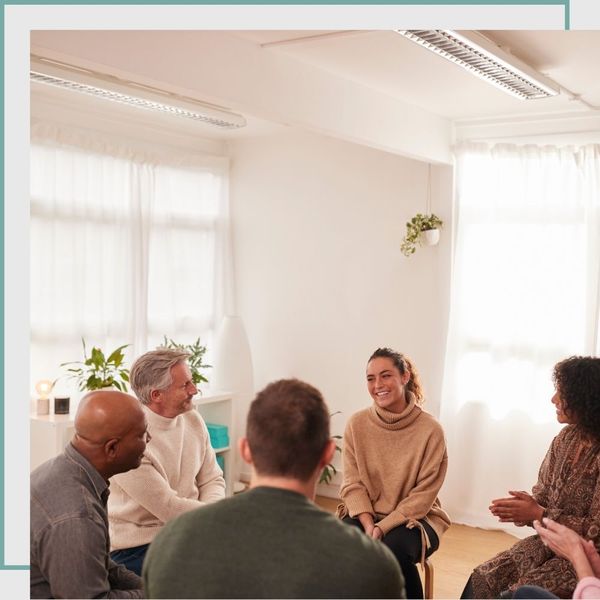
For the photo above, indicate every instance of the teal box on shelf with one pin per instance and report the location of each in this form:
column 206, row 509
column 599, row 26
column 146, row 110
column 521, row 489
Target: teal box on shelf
column 219, row 435
column 221, row 462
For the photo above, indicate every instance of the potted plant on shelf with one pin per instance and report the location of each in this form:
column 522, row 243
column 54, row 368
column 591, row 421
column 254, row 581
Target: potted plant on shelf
column 96, row 371
column 195, row 361
column 421, row 229
column 329, row 470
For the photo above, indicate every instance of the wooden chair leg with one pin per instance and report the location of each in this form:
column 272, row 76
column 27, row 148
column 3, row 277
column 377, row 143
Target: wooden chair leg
column 428, row 580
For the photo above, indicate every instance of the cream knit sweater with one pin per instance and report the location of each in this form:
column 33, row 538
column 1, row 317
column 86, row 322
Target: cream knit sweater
column 394, row 467
column 179, row 472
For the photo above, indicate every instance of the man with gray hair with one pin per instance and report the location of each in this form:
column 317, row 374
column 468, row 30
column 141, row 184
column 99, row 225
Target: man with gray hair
column 179, row 471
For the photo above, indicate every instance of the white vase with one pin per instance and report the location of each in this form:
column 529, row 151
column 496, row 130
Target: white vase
column 233, row 372
column 232, row 361
column 430, row 237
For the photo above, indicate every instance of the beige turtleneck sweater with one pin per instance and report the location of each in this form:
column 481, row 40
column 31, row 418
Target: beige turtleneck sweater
column 394, row 467
column 179, row 472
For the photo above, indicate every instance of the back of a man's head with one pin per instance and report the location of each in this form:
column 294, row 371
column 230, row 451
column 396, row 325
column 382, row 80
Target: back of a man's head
column 271, row 542
column 287, row 429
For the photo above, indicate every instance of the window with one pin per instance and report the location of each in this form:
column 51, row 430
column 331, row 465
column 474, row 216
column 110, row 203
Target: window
column 124, row 249
column 524, row 296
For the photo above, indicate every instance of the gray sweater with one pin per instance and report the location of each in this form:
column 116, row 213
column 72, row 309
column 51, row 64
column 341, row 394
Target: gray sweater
column 268, row 543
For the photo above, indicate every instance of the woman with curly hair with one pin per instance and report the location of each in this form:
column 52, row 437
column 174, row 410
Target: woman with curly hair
column 394, row 465
column 567, row 491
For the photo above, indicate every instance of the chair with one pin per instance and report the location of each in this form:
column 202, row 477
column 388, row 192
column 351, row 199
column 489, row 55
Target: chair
column 427, row 577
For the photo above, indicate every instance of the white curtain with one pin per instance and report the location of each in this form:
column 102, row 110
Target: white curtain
column 525, row 294
column 127, row 244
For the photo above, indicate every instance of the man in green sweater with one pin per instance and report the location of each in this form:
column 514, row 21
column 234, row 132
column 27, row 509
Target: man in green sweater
column 272, row 541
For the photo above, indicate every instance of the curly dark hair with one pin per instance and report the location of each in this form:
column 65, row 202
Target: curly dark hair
column 403, row 364
column 577, row 381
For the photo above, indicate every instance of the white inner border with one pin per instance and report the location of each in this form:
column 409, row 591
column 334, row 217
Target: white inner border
column 19, row 20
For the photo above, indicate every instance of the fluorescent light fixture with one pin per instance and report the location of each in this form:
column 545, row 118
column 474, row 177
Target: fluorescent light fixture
column 483, row 58
column 108, row 87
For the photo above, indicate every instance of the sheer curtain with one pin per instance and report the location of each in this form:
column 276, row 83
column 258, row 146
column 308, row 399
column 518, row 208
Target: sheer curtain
column 126, row 245
column 525, row 294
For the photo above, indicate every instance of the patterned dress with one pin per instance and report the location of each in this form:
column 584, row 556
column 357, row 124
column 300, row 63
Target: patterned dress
column 569, row 488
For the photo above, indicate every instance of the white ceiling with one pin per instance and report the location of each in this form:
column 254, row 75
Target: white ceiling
column 371, row 87
column 389, row 63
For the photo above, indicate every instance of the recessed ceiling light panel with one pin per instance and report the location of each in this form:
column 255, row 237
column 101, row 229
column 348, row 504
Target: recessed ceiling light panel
column 482, row 58
column 132, row 94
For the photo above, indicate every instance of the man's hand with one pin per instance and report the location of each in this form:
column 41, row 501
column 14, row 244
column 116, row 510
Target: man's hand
column 521, row 508
column 377, row 534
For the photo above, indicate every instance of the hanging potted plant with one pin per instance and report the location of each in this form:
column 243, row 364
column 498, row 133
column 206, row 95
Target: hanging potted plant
column 421, row 229
column 97, row 371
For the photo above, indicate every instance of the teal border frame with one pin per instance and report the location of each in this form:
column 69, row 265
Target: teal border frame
column 564, row 3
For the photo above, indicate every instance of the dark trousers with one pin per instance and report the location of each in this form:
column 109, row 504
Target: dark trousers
column 467, row 593
column 131, row 558
column 406, row 546
column 532, row 591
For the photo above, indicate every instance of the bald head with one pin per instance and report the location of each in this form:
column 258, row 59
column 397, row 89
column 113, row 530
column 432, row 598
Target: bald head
column 110, row 431
column 105, row 414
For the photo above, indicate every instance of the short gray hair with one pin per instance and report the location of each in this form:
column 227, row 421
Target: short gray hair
column 152, row 371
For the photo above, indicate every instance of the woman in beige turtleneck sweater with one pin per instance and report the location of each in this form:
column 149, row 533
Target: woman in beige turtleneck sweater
column 394, row 465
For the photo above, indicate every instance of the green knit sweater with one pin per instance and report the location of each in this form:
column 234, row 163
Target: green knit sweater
column 267, row 543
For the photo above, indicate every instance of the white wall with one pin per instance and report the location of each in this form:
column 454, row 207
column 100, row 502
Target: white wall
column 320, row 280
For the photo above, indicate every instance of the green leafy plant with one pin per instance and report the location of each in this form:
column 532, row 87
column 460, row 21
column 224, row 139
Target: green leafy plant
column 196, row 352
column 329, row 470
column 414, row 227
column 97, row 371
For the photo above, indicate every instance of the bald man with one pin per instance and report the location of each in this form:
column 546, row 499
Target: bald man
column 69, row 523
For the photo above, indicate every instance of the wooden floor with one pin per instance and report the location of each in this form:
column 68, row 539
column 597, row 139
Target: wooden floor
column 462, row 549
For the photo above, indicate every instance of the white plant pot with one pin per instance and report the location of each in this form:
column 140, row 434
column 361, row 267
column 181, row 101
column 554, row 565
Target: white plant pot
column 430, row 237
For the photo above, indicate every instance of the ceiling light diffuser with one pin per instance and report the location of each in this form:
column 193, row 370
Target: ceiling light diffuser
column 111, row 88
column 483, row 58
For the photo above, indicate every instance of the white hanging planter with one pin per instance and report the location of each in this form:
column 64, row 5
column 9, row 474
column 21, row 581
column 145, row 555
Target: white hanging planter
column 422, row 229
column 430, row 237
